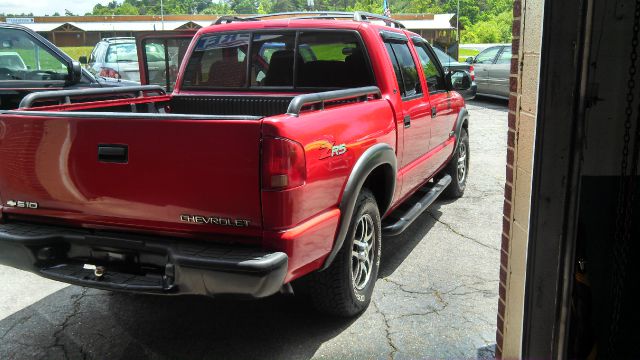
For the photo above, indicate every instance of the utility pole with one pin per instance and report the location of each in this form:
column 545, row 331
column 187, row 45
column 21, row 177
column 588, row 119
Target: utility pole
column 458, row 23
column 162, row 14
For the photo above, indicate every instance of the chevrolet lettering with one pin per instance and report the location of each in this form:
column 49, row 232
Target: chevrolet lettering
column 214, row 220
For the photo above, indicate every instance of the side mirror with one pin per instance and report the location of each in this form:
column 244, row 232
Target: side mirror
column 76, row 72
column 469, row 60
column 458, row 80
column 83, row 60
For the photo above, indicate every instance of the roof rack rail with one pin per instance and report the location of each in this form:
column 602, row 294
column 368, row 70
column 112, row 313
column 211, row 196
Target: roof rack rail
column 231, row 18
column 355, row 16
column 118, row 38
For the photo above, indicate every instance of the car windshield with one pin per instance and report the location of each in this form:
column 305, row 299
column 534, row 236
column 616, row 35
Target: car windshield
column 443, row 57
column 122, row 53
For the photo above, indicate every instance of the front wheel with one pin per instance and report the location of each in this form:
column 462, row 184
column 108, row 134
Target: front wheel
column 346, row 287
column 458, row 167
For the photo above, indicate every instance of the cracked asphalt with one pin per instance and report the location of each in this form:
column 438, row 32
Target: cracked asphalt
column 436, row 296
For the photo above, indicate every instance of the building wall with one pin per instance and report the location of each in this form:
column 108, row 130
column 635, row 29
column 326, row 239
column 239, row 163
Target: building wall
column 525, row 63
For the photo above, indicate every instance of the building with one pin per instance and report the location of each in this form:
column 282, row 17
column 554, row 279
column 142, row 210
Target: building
column 439, row 29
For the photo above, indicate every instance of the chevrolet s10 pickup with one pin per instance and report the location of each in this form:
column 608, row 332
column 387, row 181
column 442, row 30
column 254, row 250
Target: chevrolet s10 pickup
column 287, row 149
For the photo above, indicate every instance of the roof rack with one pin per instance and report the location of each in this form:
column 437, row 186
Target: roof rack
column 355, row 16
column 231, row 18
column 118, row 38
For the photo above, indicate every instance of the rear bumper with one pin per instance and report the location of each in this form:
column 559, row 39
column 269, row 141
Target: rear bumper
column 141, row 263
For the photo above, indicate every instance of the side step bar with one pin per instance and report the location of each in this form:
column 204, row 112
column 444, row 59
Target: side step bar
column 403, row 221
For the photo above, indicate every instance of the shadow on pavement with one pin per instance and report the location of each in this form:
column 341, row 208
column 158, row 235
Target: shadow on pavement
column 395, row 249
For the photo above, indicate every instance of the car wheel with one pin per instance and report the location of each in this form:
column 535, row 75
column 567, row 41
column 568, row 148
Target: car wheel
column 458, row 168
column 346, row 287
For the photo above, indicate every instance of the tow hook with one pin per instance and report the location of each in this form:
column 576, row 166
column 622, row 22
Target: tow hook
column 99, row 272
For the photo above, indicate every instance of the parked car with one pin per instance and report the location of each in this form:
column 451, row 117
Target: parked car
column 493, row 67
column 12, row 60
column 449, row 63
column 237, row 183
column 117, row 58
column 29, row 63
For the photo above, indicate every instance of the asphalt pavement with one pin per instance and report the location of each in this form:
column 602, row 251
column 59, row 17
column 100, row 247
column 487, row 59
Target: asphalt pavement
column 436, row 295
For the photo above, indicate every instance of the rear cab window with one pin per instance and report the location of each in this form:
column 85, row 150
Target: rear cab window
column 298, row 59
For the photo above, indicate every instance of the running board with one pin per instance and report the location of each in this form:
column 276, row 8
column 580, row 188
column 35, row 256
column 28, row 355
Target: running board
column 402, row 222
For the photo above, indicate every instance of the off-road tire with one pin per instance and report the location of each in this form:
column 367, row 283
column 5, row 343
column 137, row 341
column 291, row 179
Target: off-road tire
column 334, row 290
column 458, row 184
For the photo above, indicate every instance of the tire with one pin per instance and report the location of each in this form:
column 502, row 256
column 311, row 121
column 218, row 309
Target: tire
column 458, row 175
column 345, row 287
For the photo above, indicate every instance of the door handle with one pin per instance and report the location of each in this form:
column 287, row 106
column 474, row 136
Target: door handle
column 113, row 153
column 434, row 112
column 407, row 121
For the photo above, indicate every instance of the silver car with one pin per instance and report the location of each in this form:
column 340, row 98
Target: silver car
column 493, row 67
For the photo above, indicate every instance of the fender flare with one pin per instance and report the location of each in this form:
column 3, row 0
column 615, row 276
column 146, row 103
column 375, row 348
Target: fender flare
column 463, row 118
column 375, row 156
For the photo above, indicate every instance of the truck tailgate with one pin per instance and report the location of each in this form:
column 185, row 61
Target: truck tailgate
column 153, row 171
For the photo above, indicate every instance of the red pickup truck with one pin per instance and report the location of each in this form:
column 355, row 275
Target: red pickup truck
column 286, row 151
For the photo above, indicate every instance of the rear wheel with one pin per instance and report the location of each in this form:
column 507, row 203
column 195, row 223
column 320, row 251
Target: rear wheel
column 346, row 287
column 458, row 167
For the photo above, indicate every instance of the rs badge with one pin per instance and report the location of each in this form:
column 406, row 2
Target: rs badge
column 22, row 204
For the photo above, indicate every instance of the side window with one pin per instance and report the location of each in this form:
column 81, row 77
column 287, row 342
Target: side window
column 24, row 58
column 505, row 56
column 433, row 74
column 405, row 69
column 487, row 56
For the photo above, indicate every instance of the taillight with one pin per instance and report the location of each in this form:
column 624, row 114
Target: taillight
column 109, row 72
column 472, row 72
column 283, row 164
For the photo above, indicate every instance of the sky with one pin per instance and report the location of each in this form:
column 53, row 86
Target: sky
column 48, row 7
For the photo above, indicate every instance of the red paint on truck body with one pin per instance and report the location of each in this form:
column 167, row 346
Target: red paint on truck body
column 211, row 167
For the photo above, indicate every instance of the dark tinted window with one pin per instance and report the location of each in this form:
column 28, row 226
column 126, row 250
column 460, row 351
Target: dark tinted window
column 406, row 72
column 435, row 79
column 218, row 61
column 324, row 59
column 331, row 59
column 272, row 58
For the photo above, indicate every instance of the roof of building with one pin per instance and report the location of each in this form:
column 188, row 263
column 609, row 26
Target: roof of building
column 434, row 22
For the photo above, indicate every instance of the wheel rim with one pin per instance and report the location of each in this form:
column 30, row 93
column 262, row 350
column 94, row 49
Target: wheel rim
column 362, row 252
column 462, row 162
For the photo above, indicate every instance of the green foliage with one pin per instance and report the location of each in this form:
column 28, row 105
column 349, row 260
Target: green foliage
column 496, row 29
